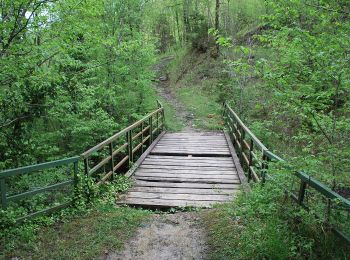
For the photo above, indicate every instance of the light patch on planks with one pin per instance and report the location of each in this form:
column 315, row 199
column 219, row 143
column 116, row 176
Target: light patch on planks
column 185, row 169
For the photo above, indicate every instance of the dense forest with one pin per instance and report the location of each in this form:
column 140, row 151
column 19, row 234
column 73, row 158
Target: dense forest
column 75, row 72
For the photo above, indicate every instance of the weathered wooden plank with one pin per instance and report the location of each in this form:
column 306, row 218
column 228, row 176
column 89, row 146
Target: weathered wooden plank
column 186, row 137
column 167, row 196
column 165, row 157
column 141, row 183
column 191, row 146
column 194, row 141
column 199, row 168
column 188, row 151
column 186, row 190
column 196, row 134
column 179, row 179
column 186, row 175
column 179, row 171
column 191, row 159
column 184, row 163
column 210, row 161
column 191, row 136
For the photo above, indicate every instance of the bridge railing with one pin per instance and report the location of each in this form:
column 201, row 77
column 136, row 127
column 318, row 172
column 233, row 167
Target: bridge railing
column 120, row 150
column 101, row 162
column 255, row 158
column 38, row 170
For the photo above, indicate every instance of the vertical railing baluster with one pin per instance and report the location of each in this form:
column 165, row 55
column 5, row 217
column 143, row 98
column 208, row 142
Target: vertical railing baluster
column 142, row 136
column 3, row 193
column 129, row 141
column 241, row 143
column 76, row 180
column 302, row 190
column 150, row 122
column 112, row 159
column 264, row 167
column 157, row 132
column 236, row 129
column 86, row 166
column 251, row 147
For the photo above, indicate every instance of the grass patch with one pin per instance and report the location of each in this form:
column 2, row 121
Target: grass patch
column 206, row 111
column 75, row 233
column 264, row 224
column 172, row 122
column 88, row 237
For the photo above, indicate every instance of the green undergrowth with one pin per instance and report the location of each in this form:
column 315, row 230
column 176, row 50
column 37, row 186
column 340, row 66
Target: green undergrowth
column 264, row 224
column 88, row 231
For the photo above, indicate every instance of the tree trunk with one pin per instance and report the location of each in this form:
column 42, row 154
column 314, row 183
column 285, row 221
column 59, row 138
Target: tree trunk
column 186, row 11
column 217, row 14
column 215, row 52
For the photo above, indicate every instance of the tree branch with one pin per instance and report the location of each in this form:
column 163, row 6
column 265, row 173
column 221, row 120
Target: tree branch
column 16, row 31
column 327, row 9
column 329, row 139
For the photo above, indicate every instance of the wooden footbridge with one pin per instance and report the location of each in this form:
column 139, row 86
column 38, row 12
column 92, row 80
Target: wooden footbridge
column 186, row 169
column 196, row 169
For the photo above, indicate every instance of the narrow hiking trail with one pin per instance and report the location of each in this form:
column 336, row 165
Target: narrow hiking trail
column 179, row 235
column 167, row 236
column 164, row 90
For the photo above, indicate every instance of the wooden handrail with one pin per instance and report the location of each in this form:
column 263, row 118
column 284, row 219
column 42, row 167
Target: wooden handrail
column 134, row 138
column 119, row 134
column 116, row 158
column 246, row 129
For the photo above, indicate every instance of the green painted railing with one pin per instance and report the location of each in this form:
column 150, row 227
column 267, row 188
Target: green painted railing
column 255, row 158
column 108, row 157
column 101, row 162
column 5, row 199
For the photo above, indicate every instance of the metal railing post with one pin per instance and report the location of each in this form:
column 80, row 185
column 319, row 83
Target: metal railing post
column 3, row 193
column 251, row 147
column 112, row 159
column 150, row 122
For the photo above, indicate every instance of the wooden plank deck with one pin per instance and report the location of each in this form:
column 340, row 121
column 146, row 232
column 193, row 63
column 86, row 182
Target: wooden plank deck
column 185, row 169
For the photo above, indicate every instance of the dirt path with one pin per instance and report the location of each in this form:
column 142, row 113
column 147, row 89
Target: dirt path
column 164, row 90
column 167, row 236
